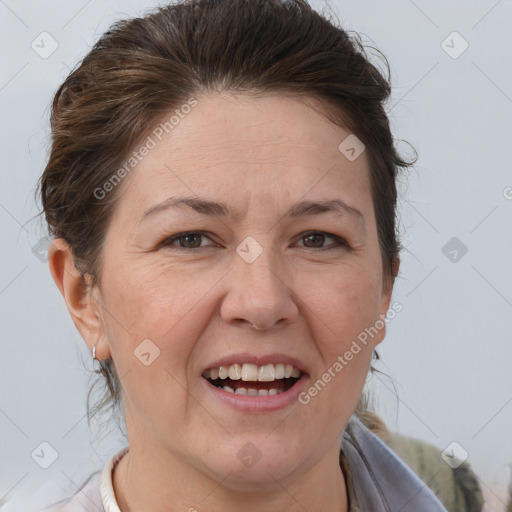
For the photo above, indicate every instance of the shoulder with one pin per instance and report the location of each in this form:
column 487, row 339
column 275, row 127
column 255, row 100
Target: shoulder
column 380, row 478
column 458, row 487
column 86, row 499
column 56, row 494
column 96, row 494
column 68, row 496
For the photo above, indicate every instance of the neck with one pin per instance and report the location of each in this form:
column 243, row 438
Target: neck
column 154, row 480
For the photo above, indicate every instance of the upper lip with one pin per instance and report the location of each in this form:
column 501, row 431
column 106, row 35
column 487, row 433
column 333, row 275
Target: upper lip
column 259, row 360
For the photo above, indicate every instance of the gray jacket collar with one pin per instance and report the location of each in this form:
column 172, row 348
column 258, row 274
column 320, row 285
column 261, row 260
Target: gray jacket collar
column 377, row 479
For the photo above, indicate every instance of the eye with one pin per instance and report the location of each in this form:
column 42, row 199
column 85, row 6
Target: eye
column 193, row 240
column 316, row 240
column 190, row 240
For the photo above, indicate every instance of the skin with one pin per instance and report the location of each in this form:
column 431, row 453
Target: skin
column 310, row 299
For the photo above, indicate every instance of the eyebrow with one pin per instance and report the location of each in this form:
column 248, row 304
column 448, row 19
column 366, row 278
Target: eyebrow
column 213, row 208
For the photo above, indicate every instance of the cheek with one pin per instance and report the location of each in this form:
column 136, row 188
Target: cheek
column 342, row 315
column 141, row 294
column 157, row 303
column 346, row 304
column 152, row 332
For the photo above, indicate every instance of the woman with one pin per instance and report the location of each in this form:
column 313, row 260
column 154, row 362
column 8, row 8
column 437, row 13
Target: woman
column 221, row 195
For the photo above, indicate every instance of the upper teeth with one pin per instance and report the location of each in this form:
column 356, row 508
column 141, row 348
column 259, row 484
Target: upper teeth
column 252, row 372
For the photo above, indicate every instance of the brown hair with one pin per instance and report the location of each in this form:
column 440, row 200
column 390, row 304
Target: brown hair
column 143, row 68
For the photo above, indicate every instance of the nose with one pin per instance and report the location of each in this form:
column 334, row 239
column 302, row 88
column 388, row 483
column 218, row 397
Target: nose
column 259, row 294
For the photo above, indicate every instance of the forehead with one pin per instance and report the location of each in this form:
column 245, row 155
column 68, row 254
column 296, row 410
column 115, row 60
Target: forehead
column 273, row 146
column 282, row 126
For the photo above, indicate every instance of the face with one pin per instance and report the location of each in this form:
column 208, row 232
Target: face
column 185, row 282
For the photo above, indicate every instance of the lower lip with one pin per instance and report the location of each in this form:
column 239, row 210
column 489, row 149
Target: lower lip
column 268, row 403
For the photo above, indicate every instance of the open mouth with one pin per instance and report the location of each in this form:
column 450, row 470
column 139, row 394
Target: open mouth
column 253, row 380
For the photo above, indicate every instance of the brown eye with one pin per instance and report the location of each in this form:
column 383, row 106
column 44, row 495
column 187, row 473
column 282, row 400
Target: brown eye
column 191, row 240
column 316, row 240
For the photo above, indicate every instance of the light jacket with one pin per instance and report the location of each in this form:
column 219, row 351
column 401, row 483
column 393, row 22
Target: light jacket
column 377, row 480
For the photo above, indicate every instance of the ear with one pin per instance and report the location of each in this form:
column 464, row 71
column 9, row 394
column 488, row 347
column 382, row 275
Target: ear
column 386, row 300
column 84, row 307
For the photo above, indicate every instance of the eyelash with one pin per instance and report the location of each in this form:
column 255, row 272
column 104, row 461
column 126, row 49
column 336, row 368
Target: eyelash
column 340, row 242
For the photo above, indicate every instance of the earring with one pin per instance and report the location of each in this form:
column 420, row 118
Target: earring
column 94, row 353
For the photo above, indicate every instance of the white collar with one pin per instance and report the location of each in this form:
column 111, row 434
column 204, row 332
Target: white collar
column 108, row 497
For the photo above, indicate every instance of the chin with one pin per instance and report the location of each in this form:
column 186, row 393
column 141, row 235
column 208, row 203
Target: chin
column 253, row 465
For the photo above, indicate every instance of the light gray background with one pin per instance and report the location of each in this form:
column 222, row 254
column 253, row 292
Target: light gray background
column 448, row 353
